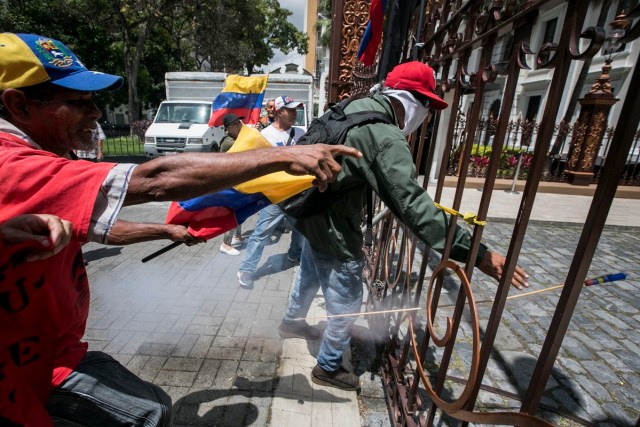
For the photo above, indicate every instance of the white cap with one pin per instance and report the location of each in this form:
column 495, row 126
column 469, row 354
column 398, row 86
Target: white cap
column 286, row 102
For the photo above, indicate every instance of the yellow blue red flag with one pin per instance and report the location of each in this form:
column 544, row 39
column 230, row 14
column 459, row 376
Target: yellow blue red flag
column 241, row 96
column 372, row 33
column 211, row 215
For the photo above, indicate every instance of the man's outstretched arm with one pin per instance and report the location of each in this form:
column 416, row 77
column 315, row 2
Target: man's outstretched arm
column 189, row 175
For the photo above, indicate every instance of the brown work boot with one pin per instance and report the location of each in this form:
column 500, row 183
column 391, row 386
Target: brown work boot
column 341, row 378
column 299, row 329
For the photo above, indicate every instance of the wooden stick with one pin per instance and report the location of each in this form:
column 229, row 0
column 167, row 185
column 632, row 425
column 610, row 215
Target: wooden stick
column 403, row 310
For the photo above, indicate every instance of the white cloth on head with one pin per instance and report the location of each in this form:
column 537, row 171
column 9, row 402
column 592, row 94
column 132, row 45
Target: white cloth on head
column 414, row 111
column 375, row 89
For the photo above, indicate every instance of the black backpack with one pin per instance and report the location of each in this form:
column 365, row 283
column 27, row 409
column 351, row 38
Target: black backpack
column 330, row 128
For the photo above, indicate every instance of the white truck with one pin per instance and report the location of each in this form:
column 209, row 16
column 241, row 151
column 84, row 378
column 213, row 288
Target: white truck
column 181, row 123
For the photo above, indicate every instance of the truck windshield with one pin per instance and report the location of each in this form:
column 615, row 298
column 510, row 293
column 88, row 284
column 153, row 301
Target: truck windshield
column 187, row 112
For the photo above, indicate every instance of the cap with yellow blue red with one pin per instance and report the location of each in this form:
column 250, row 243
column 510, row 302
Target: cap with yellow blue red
column 29, row 59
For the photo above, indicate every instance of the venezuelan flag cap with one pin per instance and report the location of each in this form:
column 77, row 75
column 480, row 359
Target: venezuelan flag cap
column 29, row 59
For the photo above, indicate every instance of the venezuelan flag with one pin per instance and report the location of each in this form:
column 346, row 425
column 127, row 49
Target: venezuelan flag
column 241, row 96
column 213, row 214
column 373, row 32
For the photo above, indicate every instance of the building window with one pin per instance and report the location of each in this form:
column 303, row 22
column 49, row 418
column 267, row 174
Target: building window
column 548, row 37
column 550, row 30
column 532, row 108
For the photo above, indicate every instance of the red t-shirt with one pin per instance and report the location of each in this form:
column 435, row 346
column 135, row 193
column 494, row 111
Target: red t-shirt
column 44, row 304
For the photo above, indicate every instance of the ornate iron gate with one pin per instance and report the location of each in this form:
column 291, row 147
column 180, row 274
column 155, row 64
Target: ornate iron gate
column 464, row 41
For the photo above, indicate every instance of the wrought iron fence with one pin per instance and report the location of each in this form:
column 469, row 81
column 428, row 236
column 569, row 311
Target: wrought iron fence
column 430, row 370
column 124, row 140
column 519, row 145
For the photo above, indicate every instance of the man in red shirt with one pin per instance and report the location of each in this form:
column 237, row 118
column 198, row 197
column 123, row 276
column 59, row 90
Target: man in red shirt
column 46, row 112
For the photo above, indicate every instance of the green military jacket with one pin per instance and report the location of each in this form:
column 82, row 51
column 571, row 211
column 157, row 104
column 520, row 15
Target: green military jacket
column 387, row 166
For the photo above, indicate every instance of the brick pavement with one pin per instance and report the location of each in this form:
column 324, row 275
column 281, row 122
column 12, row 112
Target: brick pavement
column 597, row 373
column 182, row 322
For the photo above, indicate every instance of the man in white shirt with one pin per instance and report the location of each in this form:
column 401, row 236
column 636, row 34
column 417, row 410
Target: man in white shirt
column 280, row 133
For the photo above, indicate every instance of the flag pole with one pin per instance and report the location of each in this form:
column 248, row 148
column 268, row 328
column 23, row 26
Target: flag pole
column 161, row 251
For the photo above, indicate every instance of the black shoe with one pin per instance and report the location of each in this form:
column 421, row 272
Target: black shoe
column 294, row 258
column 298, row 330
column 341, row 378
column 245, row 279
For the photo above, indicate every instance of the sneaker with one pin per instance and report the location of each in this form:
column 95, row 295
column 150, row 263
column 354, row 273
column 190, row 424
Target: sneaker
column 298, row 330
column 292, row 258
column 341, row 378
column 226, row 249
column 245, row 279
column 237, row 241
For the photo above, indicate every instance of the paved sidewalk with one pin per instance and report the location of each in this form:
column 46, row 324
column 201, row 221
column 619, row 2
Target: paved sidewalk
column 546, row 207
column 316, row 405
column 182, row 322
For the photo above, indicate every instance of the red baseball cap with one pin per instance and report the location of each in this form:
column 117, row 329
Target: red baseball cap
column 416, row 76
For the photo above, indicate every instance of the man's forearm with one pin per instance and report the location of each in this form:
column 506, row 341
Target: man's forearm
column 126, row 233
column 190, row 175
column 186, row 176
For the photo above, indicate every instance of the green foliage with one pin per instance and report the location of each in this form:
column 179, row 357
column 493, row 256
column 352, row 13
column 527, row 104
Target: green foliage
column 143, row 39
column 480, row 157
column 485, row 150
column 233, row 35
column 480, row 150
column 324, row 22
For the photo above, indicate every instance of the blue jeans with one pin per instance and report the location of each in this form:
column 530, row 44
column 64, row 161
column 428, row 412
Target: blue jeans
column 102, row 392
column 268, row 220
column 341, row 283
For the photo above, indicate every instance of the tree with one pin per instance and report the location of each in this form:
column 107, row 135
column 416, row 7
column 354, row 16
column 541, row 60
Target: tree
column 150, row 37
column 136, row 20
column 236, row 34
column 324, row 22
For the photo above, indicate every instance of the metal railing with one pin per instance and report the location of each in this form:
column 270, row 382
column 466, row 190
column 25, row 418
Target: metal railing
column 519, row 146
column 121, row 142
